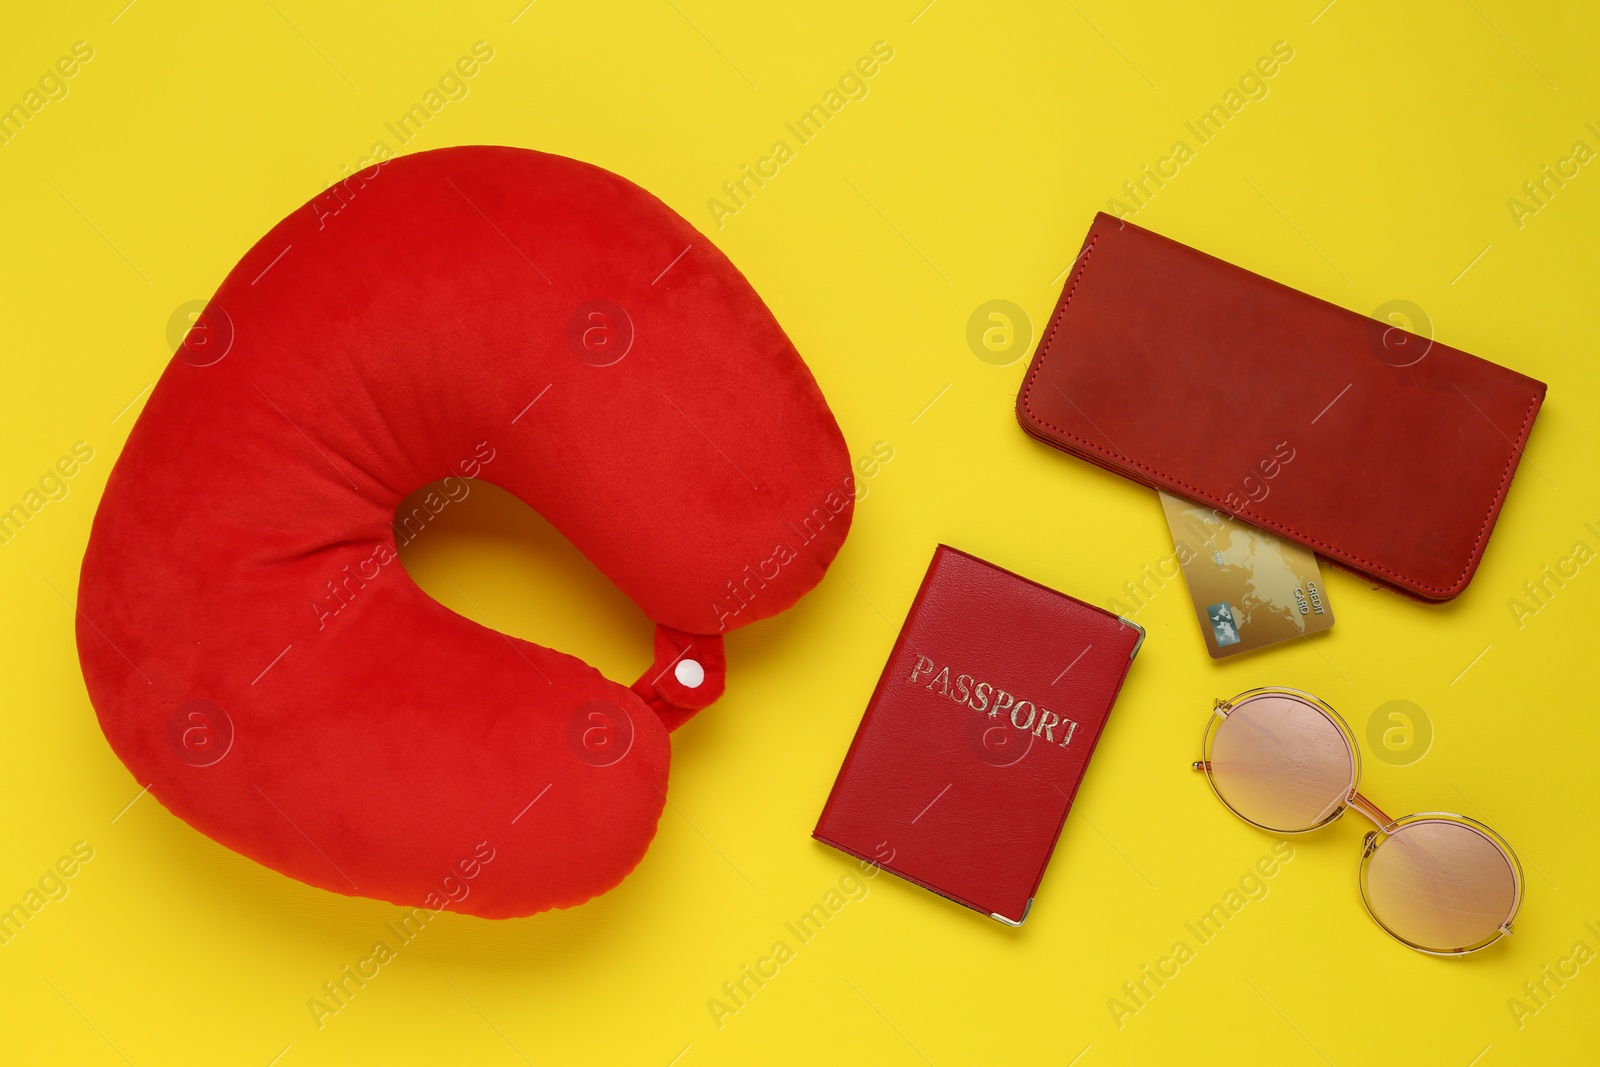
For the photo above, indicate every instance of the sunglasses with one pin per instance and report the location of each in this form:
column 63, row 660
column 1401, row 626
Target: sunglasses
column 1284, row 761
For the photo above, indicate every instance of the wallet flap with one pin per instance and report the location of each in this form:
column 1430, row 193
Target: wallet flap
column 1184, row 372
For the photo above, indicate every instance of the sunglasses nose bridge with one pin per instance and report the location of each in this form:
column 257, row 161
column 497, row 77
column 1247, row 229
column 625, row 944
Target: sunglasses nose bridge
column 1371, row 812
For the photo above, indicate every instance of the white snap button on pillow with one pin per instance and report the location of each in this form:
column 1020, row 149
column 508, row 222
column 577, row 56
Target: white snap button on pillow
column 689, row 674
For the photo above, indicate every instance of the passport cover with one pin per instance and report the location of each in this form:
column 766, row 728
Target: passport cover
column 1186, row 373
column 976, row 739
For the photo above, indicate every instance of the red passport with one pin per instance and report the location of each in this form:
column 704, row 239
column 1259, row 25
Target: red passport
column 979, row 732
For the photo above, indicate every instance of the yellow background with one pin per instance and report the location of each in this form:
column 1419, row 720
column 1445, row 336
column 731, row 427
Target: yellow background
column 1377, row 168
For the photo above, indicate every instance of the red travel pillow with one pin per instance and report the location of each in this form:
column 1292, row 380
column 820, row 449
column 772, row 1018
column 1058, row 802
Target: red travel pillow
column 260, row 659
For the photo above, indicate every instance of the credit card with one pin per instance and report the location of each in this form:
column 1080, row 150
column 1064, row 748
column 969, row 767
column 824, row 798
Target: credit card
column 1250, row 589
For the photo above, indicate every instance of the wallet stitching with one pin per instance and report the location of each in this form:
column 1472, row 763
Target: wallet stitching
column 1047, row 346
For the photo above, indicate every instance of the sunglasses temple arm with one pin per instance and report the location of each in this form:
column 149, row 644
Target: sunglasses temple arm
column 1202, row 765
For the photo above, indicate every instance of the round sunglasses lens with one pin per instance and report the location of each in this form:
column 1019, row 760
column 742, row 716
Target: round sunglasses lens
column 1440, row 885
column 1281, row 763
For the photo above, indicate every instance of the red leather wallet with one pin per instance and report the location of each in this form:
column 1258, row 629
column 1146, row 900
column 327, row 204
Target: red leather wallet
column 1183, row 372
column 977, row 736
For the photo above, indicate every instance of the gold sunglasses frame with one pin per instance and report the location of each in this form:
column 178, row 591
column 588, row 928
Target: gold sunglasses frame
column 1385, row 827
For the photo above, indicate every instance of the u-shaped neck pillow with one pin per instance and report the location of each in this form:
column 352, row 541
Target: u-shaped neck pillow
column 254, row 650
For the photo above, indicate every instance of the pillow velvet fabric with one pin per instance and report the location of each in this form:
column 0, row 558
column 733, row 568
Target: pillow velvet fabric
column 255, row 652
